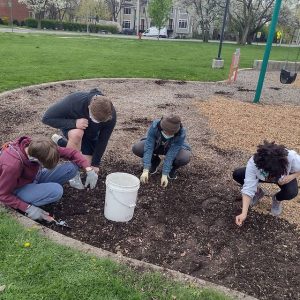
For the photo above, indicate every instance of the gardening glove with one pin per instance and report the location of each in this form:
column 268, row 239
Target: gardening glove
column 76, row 182
column 37, row 214
column 145, row 176
column 91, row 179
column 164, row 181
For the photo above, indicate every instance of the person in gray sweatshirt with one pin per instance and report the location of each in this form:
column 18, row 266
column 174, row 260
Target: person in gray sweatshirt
column 271, row 163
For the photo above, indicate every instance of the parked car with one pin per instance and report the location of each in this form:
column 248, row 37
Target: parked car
column 153, row 31
column 128, row 31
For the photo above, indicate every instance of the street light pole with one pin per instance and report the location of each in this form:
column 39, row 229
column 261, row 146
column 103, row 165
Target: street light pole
column 11, row 15
column 218, row 62
column 223, row 29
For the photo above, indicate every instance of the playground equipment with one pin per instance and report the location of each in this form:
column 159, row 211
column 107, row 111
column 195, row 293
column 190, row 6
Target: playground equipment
column 287, row 76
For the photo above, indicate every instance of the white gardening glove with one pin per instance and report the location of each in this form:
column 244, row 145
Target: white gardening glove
column 145, row 176
column 164, row 181
column 37, row 214
column 76, row 182
column 91, row 179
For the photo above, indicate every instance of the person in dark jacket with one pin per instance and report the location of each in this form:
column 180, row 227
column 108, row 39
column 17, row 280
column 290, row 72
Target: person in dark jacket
column 165, row 137
column 86, row 120
column 30, row 175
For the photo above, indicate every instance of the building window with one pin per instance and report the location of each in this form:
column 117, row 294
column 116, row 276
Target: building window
column 126, row 24
column 127, row 11
column 182, row 24
column 170, row 24
column 172, row 9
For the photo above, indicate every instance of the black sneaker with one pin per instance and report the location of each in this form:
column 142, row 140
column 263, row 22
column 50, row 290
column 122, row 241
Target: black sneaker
column 154, row 165
column 173, row 174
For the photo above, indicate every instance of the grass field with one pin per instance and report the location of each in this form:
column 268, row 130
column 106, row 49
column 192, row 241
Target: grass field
column 47, row 271
column 28, row 59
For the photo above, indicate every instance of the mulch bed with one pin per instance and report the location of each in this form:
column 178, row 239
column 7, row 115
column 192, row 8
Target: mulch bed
column 189, row 226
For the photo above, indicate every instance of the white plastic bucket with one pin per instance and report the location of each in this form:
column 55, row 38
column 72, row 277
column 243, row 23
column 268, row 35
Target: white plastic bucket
column 121, row 196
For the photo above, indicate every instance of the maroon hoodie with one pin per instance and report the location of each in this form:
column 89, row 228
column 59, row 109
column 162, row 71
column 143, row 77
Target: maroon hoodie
column 16, row 170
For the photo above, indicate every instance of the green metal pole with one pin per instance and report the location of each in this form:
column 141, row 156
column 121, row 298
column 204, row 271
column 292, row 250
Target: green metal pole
column 267, row 51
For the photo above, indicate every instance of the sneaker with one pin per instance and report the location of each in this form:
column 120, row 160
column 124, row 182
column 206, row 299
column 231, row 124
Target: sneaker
column 173, row 174
column 258, row 195
column 154, row 165
column 276, row 207
column 59, row 140
column 76, row 182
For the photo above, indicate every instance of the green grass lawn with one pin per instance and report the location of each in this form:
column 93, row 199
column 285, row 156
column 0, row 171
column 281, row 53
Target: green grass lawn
column 51, row 272
column 28, row 59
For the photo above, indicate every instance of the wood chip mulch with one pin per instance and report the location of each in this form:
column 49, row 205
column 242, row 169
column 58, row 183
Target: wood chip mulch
column 242, row 126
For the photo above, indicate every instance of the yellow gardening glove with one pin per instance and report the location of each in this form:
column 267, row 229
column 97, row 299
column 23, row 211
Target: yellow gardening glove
column 145, row 176
column 164, row 181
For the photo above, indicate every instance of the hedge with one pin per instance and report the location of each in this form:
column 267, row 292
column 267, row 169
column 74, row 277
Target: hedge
column 68, row 26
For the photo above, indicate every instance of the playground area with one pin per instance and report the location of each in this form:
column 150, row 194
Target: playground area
column 189, row 226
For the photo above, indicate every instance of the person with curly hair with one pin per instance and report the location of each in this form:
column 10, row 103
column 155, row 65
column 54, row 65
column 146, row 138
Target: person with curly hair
column 271, row 163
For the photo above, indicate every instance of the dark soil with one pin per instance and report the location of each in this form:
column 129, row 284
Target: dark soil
column 242, row 89
column 189, row 227
column 224, row 93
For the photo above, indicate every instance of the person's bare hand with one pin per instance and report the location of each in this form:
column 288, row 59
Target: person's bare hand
column 96, row 169
column 286, row 179
column 240, row 219
column 82, row 123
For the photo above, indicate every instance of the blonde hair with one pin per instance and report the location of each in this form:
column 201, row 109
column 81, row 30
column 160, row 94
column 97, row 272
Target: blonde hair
column 101, row 108
column 45, row 150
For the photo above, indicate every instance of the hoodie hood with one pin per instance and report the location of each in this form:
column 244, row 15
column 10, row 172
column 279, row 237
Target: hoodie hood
column 16, row 149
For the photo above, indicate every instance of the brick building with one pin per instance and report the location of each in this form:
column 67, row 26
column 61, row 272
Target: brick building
column 19, row 11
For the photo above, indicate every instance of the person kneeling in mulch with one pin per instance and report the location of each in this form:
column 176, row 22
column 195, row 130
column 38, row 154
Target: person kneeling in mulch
column 165, row 137
column 30, row 175
column 271, row 163
column 86, row 120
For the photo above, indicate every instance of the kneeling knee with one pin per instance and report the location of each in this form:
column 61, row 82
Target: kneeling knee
column 56, row 192
column 75, row 135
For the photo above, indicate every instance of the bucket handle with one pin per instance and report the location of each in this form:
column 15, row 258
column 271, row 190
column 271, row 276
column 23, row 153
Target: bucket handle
column 129, row 206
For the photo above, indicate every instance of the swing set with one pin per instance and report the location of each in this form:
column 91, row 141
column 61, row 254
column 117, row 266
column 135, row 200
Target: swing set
column 287, row 76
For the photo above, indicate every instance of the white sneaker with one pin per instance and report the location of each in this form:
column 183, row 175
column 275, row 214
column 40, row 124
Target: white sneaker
column 76, row 182
column 56, row 137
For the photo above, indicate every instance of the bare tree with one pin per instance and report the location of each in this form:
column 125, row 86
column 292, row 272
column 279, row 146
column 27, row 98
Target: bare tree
column 114, row 7
column 248, row 16
column 207, row 12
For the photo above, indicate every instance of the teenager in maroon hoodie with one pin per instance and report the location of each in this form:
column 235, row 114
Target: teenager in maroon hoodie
column 30, row 175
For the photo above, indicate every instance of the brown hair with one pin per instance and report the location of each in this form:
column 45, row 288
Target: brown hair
column 101, row 108
column 45, row 151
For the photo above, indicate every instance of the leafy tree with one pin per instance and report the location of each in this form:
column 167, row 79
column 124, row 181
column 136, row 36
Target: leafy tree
column 159, row 11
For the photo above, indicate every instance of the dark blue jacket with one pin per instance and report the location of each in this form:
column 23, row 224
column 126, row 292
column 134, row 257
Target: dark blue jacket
column 64, row 113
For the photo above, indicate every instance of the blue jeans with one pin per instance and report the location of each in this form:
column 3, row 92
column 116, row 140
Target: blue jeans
column 47, row 187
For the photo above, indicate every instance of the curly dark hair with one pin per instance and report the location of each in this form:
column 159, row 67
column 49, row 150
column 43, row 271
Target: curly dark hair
column 272, row 158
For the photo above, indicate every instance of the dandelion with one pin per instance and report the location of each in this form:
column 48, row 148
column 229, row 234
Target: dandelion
column 27, row 245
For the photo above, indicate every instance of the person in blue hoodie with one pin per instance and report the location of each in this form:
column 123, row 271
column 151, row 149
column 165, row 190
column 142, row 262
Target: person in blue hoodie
column 165, row 137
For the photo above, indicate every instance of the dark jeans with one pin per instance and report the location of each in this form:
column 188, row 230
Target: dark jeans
column 287, row 191
column 183, row 157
